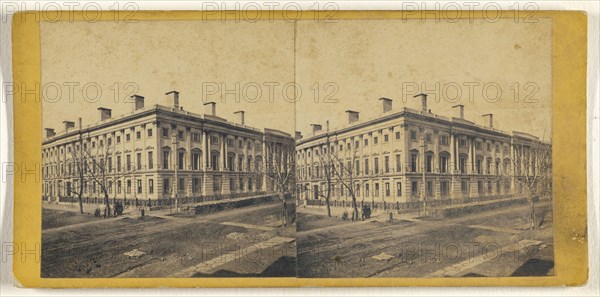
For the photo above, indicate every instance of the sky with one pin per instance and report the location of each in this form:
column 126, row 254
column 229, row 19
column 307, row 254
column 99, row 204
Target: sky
column 502, row 68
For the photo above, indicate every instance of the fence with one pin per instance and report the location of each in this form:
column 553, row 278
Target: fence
column 401, row 207
column 160, row 202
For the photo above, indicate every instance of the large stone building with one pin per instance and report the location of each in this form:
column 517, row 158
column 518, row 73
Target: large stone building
column 412, row 155
column 159, row 153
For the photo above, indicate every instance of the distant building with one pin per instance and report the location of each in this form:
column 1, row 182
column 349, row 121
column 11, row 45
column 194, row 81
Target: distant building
column 159, row 153
column 411, row 155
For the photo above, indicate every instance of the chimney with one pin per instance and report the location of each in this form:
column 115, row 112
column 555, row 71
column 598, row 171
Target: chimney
column 491, row 119
column 105, row 113
column 423, row 101
column 139, row 101
column 298, row 135
column 212, row 108
column 352, row 116
column 240, row 116
column 316, row 127
column 461, row 110
column 68, row 125
column 49, row 132
column 175, row 98
column 386, row 104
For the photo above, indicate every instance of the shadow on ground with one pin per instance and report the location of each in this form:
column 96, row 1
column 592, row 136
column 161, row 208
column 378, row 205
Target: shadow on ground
column 283, row 267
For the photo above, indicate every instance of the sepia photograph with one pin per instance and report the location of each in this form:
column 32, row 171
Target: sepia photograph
column 355, row 148
column 156, row 167
column 434, row 156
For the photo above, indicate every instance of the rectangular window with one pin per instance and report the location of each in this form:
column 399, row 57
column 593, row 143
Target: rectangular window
column 215, row 161
column 217, row 184
column 428, row 162
column 443, row 164
column 108, row 160
column 118, row 139
column 376, row 190
column 462, row 162
column 413, row 162
column 149, row 131
column 165, row 132
column 128, row 189
column 165, row 159
column 386, row 164
column 166, row 186
column 367, row 190
column 367, row 166
column 196, row 137
column 375, row 140
column 397, row 135
column 139, row 161
column 150, row 161
column 398, row 164
column 366, row 141
column 196, row 185
column 181, row 185
column 138, row 135
column 464, row 187
column 462, row 142
column 478, row 145
column 414, row 188
column 444, row 188
column 139, row 186
column 429, row 188
column 444, row 140
column 180, row 160
column 127, row 138
column 128, row 164
column 180, row 135
column 150, row 186
column 387, row 189
column 386, row 138
column 376, row 165
column 195, row 161
column 478, row 166
column 399, row 189
column 413, row 135
column 119, row 187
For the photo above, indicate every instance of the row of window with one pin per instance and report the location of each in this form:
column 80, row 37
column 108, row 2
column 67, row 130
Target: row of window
column 119, row 187
column 415, row 189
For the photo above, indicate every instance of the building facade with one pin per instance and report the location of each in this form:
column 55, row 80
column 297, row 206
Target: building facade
column 412, row 155
column 158, row 153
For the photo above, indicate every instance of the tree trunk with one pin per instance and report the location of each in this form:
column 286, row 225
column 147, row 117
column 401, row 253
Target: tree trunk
column 354, row 208
column 284, row 210
column 532, row 217
column 107, row 202
column 80, row 204
column 327, row 201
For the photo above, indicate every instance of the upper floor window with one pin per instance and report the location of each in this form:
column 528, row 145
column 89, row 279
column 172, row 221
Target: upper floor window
column 165, row 132
column 444, row 140
column 180, row 135
column 149, row 133
column 138, row 135
column 413, row 135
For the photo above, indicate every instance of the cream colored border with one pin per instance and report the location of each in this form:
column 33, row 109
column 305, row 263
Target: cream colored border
column 569, row 154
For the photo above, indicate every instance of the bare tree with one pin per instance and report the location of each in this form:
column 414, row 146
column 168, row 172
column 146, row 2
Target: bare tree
column 280, row 169
column 532, row 167
column 327, row 163
column 99, row 171
column 78, row 159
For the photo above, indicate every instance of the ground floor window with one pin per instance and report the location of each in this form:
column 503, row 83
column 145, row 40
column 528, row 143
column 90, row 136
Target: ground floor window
column 398, row 189
column 414, row 188
column 376, row 190
column 429, row 188
column 479, row 187
column 150, row 186
column 387, row 189
column 464, row 187
column 139, row 186
column 489, row 186
column 196, row 185
column 444, row 188
column 128, row 189
column 166, row 186
column 217, row 184
column 231, row 184
column 181, row 185
column 367, row 190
